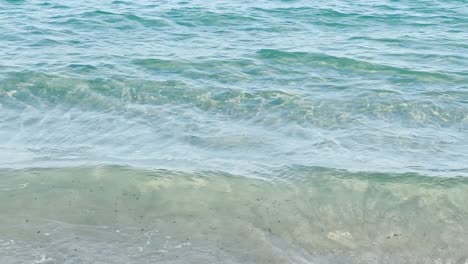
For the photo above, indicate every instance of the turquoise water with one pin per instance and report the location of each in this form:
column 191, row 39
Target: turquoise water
column 265, row 132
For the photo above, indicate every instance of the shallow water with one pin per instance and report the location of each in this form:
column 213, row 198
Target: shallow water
column 299, row 215
column 266, row 132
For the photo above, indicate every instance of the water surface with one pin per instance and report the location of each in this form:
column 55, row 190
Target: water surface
column 266, row 132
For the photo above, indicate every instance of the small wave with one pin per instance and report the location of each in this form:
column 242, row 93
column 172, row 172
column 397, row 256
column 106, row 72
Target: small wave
column 193, row 17
column 257, row 106
column 360, row 66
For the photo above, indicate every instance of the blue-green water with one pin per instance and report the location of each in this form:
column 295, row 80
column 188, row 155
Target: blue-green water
column 233, row 131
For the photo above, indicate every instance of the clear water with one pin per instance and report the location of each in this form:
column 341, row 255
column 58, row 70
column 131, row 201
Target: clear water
column 264, row 132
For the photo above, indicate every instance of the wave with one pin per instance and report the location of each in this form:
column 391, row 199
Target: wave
column 287, row 63
column 179, row 124
column 363, row 67
column 120, row 95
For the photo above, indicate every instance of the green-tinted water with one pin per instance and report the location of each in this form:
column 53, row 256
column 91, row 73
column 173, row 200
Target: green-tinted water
column 301, row 215
column 266, row 132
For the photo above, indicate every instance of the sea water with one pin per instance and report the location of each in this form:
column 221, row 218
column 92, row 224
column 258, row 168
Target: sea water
column 233, row 131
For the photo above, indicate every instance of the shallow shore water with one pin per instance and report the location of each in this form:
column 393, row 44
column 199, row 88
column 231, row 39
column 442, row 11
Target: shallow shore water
column 285, row 131
column 300, row 215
